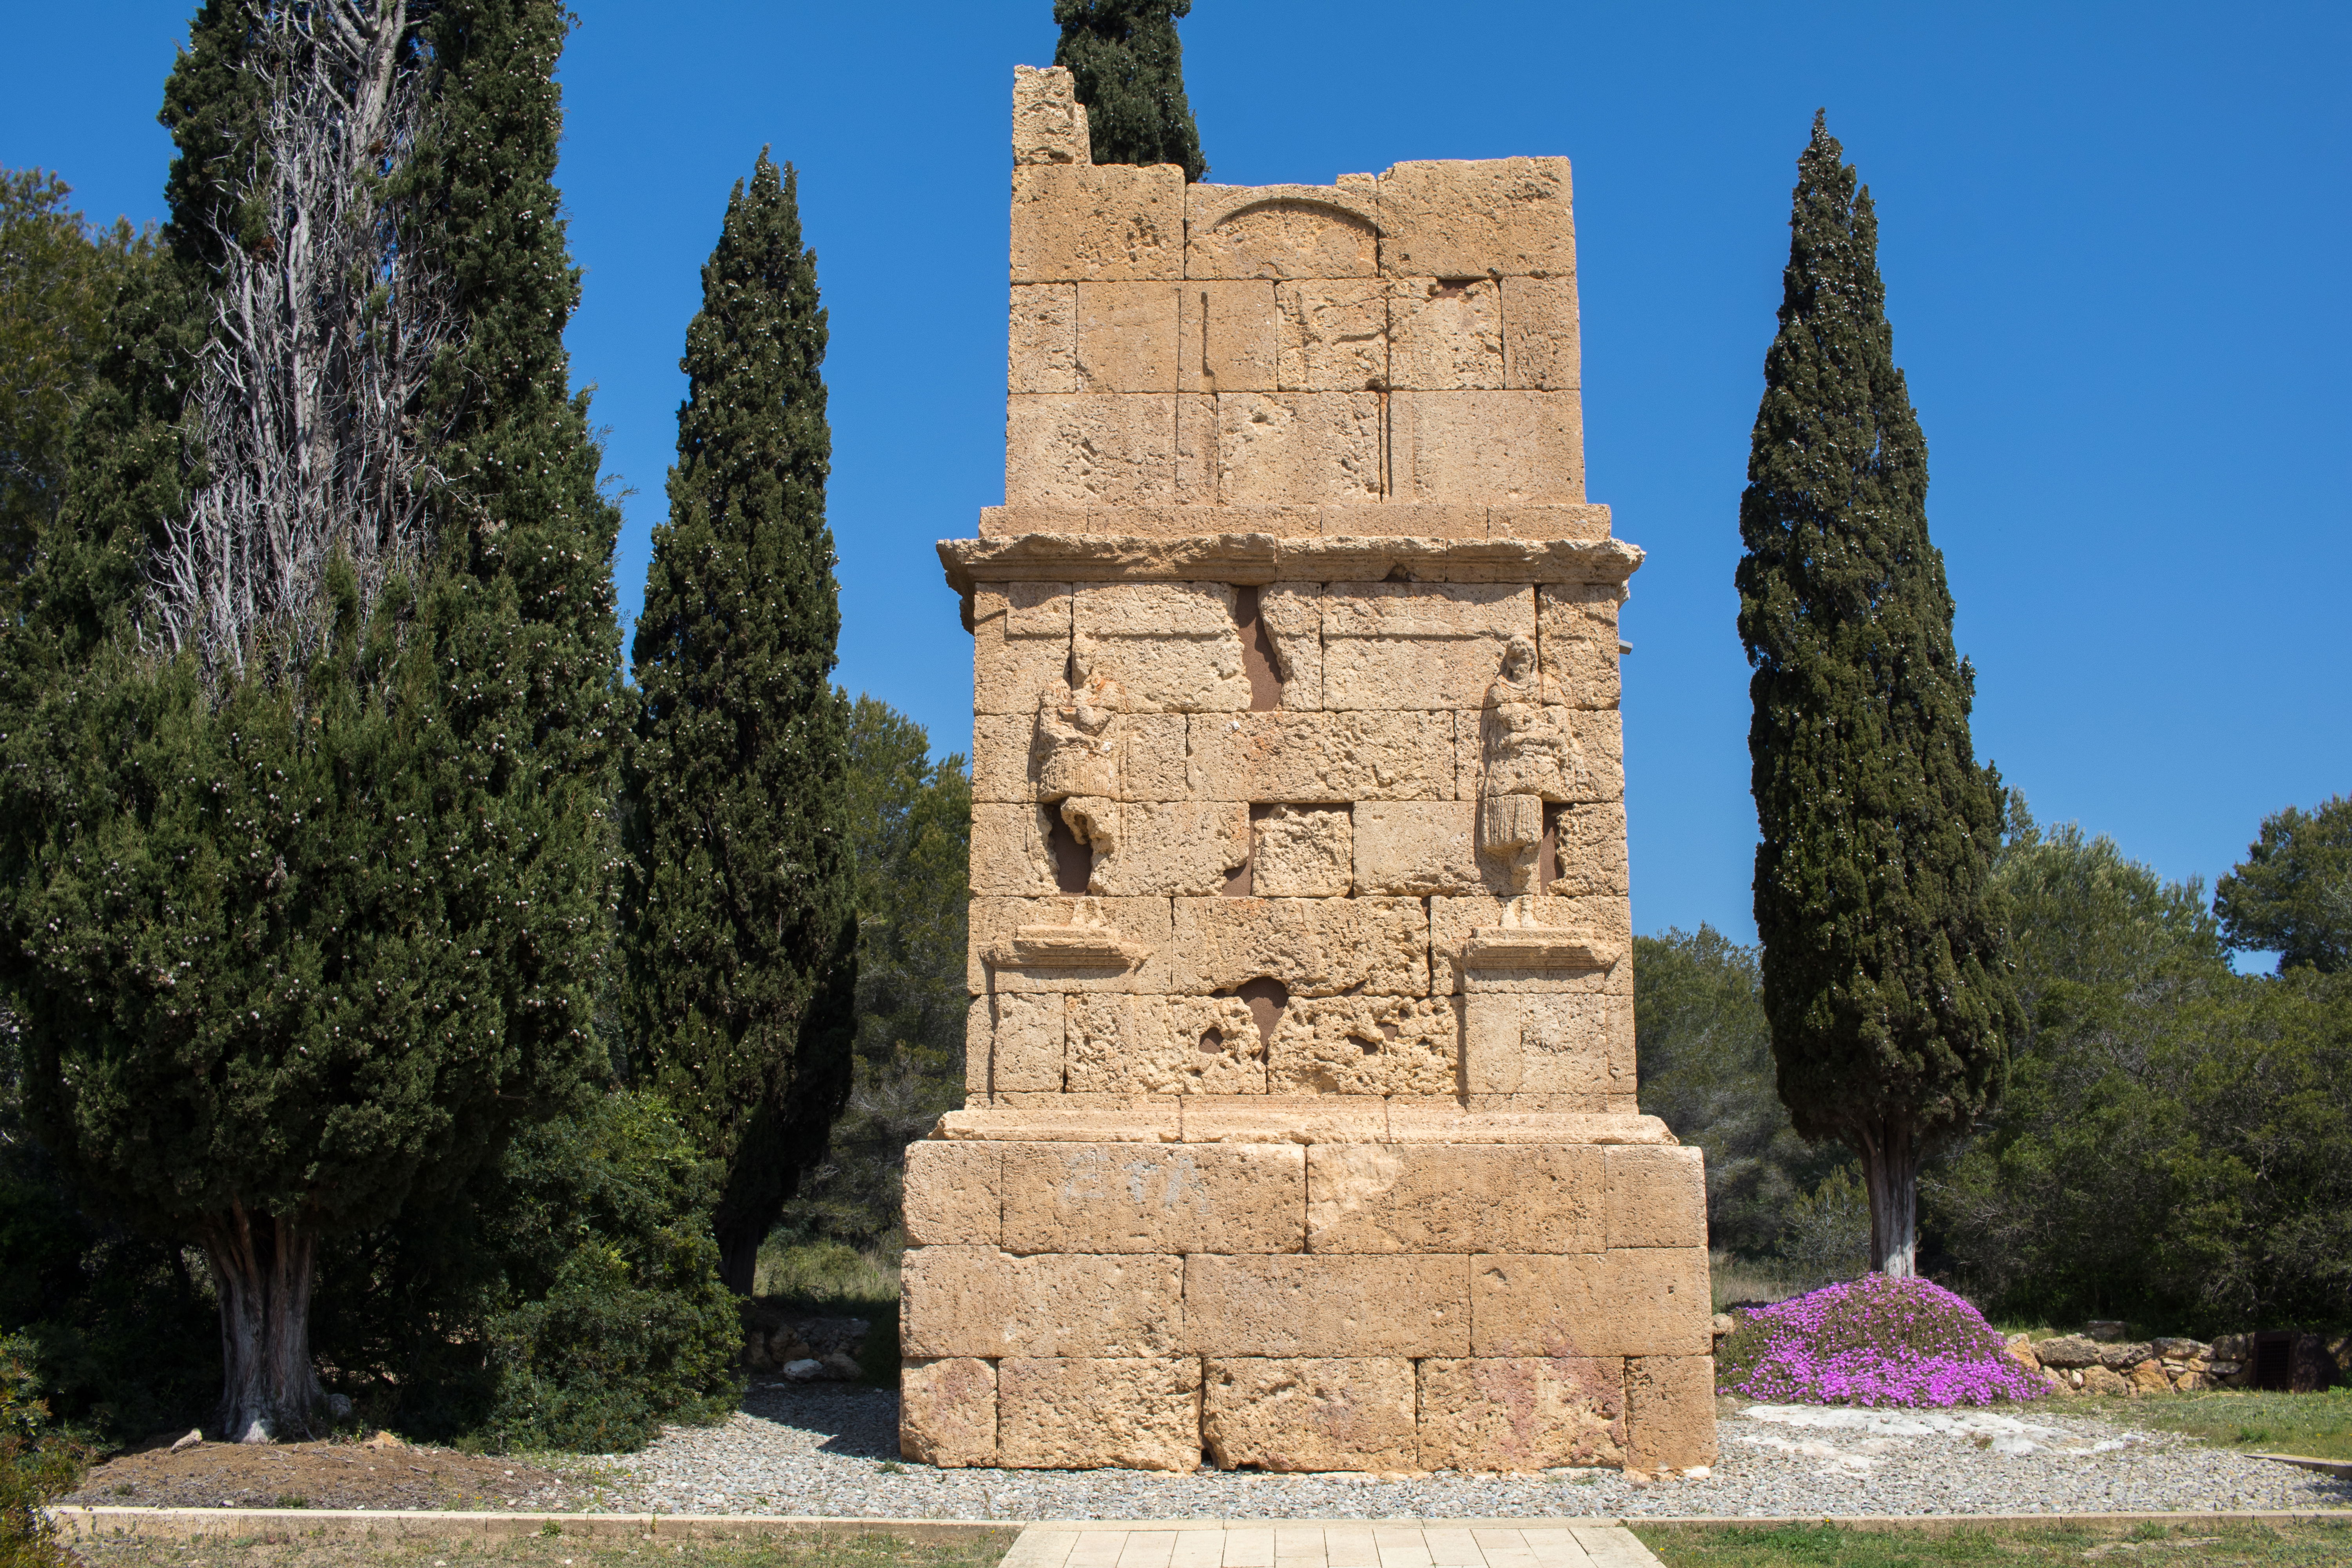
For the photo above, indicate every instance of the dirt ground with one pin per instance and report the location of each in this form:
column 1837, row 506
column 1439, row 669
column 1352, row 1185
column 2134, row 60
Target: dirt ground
column 784, row 1552
column 382, row 1472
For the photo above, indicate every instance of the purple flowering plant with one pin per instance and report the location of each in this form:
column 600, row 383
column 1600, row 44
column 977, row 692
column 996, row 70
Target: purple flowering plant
column 1872, row 1340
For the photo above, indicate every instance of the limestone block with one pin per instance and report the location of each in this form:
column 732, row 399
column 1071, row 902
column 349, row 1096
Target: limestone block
column 1163, row 846
column 1301, row 851
column 1283, row 1118
column 1577, row 635
column 1191, row 520
column 1331, row 335
column 1640, row 1301
column 1000, row 755
column 946, row 1411
column 1506, row 449
column 1292, row 614
column 1521, row 1412
column 1670, row 1412
column 1445, row 334
column 1026, row 1041
column 1418, row 644
column 1591, row 840
column 1278, row 231
column 1310, row 1413
column 1011, row 849
column 1081, row 1412
column 1011, row 521
column 1473, row 1198
column 1086, row 449
column 1118, row 223
column 1600, row 737
column 1226, row 330
column 1164, row 1045
column 1021, row 644
column 1585, row 521
column 1417, row 847
column 1540, row 352
column 1315, row 947
column 1517, row 1042
column 1398, row 519
column 1365, row 1045
column 1069, row 1118
column 1126, row 337
column 1154, row 1197
column 1173, row 646
column 1049, row 123
column 1154, row 766
column 976, row 1300
column 997, row 963
column 1298, row 446
column 1657, row 1197
column 1603, row 921
column 1312, row 1306
column 954, row 1193
column 978, row 1042
column 1315, row 757
column 1042, row 345
column 1459, row 219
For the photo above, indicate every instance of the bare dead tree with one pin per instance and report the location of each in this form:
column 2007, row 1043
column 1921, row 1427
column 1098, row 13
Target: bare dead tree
column 325, row 327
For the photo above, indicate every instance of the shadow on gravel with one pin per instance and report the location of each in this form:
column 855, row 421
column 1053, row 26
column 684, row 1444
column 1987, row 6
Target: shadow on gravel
column 857, row 1422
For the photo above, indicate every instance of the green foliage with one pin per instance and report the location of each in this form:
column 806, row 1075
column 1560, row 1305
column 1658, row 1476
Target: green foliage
column 910, row 838
column 1827, row 1234
column 37, row 1464
column 742, row 958
column 1128, row 66
column 1883, row 970
column 1705, row 1056
column 2292, row 894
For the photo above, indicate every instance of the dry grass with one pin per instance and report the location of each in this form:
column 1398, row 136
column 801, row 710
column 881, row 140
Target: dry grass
column 2286, row 1545
column 550, row 1552
column 1746, row 1279
column 825, row 1277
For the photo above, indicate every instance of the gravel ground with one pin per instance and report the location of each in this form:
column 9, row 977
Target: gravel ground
column 819, row 1450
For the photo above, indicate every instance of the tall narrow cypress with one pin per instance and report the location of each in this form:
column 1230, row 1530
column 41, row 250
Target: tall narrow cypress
column 741, row 931
column 1128, row 68
column 1883, row 970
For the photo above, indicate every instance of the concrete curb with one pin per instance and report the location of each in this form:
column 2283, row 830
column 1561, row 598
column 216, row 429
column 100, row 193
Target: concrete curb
column 181, row 1523
column 2340, row 1468
column 1945, row 1523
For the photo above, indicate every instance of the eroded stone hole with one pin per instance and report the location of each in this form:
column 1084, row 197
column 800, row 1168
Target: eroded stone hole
column 1212, row 1042
column 1547, row 850
column 1074, row 863
column 1257, row 649
column 1266, row 999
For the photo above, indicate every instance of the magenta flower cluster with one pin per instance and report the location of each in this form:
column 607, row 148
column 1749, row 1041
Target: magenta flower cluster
column 1872, row 1340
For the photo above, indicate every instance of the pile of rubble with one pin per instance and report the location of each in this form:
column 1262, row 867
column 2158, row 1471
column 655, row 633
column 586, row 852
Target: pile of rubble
column 803, row 1350
column 2100, row 1360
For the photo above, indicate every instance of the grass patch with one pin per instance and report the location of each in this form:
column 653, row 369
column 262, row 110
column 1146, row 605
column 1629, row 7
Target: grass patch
column 2316, row 1425
column 1735, row 1278
column 828, row 1277
column 556, row 1551
column 2327, row 1545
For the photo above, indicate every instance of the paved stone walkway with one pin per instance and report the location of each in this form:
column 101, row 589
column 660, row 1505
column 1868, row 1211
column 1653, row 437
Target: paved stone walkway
column 1311, row 1543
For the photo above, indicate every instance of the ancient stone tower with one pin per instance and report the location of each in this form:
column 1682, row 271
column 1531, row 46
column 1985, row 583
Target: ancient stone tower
column 1300, row 1129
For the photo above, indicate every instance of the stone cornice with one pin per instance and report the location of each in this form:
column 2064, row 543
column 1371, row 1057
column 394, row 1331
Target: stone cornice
column 1268, row 558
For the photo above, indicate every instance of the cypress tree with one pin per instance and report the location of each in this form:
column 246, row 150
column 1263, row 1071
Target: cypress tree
column 1128, row 66
column 742, row 935
column 1883, row 972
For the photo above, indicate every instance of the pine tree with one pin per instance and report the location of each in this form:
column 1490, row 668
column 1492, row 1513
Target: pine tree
column 742, row 935
column 1882, row 970
column 2292, row 894
column 1128, row 70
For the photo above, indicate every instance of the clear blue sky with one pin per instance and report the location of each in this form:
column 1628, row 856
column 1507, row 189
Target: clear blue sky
column 2118, row 255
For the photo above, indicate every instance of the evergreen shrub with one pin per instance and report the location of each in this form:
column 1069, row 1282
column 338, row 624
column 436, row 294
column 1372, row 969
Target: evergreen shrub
column 36, row 1465
column 1874, row 1341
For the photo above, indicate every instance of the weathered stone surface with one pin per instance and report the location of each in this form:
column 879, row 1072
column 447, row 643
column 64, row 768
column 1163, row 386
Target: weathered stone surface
column 2125, row 1356
column 1173, row 646
column 1587, row 520
column 1139, row 1414
column 1112, row 224
column 1315, row 947
column 1522, row 1043
column 978, row 1302
column 2067, row 1352
column 1405, row 520
column 1068, row 1118
column 1470, row 1198
column 1442, row 1123
column 1164, row 847
column 1591, row 840
column 1669, row 1412
column 1154, row 1197
column 1300, row 851
column 1540, row 348
column 2149, row 1377
column 1639, row 1301
column 1297, row 447
column 1049, row 123
column 1041, row 350
column 1521, row 1412
column 1310, row 1413
column 1577, row 634
column 1657, row 1197
column 947, row 1410
column 1278, row 231
column 1501, row 448
column 1600, row 739
column 1604, row 921
column 1365, row 1045
column 1445, row 334
column 1126, row 337
column 1444, row 218
column 1319, row 1306
column 997, row 964
column 1312, row 758
column 1226, row 330
column 1011, row 852
column 954, row 1193
column 1012, row 521
column 2100, row 1380
column 1417, row 847
column 1089, row 449
column 1292, row 614
column 1024, row 1040
column 1283, row 1118
column 1021, row 643
column 1164, row 1045
column 1331, row 335
column 1418, row 646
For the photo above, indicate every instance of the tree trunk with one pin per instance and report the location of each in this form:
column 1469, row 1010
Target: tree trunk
column 262, row 1267
column 1890, row 1170
column 739, row 1254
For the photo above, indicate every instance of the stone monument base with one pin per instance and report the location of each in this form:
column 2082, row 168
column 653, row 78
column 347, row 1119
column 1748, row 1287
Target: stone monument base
column 1311, row 1283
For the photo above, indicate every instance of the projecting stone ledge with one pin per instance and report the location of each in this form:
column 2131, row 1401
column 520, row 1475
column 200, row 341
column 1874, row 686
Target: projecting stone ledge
column 1289, row 1119
column 1265, row 558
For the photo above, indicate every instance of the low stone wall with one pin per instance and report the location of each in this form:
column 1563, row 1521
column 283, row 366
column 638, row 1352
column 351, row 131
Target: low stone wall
column 802, row 1349
column 2104, row 1363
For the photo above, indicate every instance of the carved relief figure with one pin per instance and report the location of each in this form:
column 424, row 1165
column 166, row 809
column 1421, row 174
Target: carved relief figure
column 1077, row 748
column 1531, row 757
